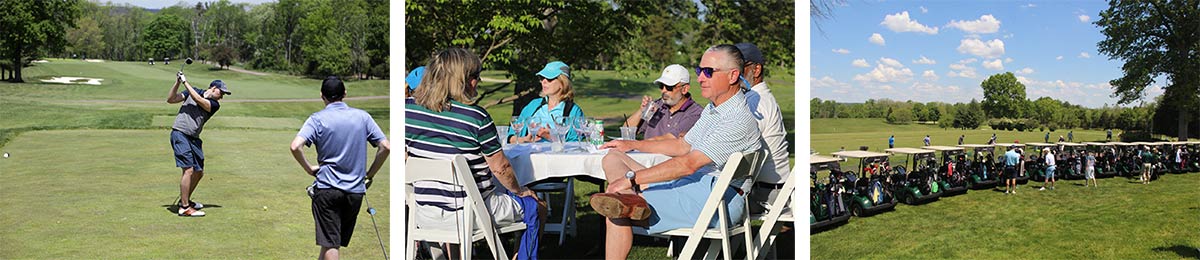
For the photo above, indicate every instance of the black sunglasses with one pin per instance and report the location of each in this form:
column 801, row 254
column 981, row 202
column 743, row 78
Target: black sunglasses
column 668, row 87
column 549, row 79
column 706, row 71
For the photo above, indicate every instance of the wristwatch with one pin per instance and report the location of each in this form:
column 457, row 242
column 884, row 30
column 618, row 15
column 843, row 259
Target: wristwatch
column 629, row 175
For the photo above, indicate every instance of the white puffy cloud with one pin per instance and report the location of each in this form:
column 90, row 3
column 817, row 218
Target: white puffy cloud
column 1084, row 55
column 862, row 63
column 930, row 75
column 886, row 70
column 967, row 61
column 1029, row 6
column 925, row 61
column 1083, row 18
column 841, row 51
column 985, row 24
column 890, row 62
column 1060, row 57
column 901, row 23
column 924, row 10
column 961, row 69
column 876, row 39
column 989, row 49
column 996, row 64
column 1008, row 60
column 828, row 82
column 1026, row 70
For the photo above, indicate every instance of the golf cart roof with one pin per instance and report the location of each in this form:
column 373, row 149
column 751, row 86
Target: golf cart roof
column 1070, row 144
column 1121, row 143
column 974, row 146
column 942, row 148
column 817, row 159
column 1040, row 144
column 1177, row 143
column 1098, row 144
column 1006, row 146
column 1140, row 143
column 859, row 154
column 908, row 150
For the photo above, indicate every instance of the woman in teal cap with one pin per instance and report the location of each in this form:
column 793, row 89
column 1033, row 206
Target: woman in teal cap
column 556, row 102
column 413, row 80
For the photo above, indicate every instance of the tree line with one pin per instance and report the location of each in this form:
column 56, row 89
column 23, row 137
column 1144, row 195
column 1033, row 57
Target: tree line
column 628, row 36
column 306, row 37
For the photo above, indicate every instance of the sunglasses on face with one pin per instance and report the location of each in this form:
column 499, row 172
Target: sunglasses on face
column 549, row 79
column 706, row 71
column 665, row 86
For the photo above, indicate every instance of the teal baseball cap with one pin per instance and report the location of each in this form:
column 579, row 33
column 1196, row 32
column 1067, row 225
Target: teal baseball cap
column 555, row 68
column 414, row 77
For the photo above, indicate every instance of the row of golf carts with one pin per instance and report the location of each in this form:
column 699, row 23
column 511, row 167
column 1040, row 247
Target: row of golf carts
column 930, row 172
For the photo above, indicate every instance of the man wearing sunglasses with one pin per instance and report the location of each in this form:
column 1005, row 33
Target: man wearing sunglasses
column 674, row 113
column 770, row 122
column 670, row 195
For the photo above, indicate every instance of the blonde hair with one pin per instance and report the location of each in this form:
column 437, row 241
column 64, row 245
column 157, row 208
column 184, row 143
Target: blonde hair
column 567, row 91
column 448, row 77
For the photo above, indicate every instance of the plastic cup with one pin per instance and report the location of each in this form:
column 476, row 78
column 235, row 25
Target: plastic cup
column 628, row 133
column 502, row 132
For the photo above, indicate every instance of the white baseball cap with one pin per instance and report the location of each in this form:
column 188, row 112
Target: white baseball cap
column 673, row 74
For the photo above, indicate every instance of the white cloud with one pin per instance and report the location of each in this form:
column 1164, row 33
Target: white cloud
column 989, row 49
column 930, row 75
column 862, row 63
column 1029, row 5
column 925, row 61
column 996, row 64
column 1008, row 60
column 1084, row 55
column 901, row 23
column 968, row 61
column 876, row 39
column 1008, row 35
column 828, row 82
column 1060, row 57
column 841, row 51
column 890, row 62
column 886, row 70
column 1083, row 18
column 1026, row 70
column 924, row 10
column 985, row 24
column 961, row 69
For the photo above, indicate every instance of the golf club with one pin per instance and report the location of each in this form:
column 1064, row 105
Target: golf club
column 371, row 211
column 185, row 62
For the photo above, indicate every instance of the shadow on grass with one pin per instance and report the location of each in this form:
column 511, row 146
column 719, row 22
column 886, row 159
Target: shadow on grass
column 1181, row 250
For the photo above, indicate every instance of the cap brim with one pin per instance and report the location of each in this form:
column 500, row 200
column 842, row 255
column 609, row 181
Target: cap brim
column 549, row 73
column 667, row 81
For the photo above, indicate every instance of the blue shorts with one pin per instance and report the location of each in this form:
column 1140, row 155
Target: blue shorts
column 1050, row 172
column 188, row 151
column 676, row 204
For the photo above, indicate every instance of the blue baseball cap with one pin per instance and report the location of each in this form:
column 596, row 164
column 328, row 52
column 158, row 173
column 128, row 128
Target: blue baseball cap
column 220, row 85
column 414, row 77
column 555, row 68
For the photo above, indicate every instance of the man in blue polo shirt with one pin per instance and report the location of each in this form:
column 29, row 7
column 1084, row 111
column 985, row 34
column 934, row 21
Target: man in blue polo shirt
column 341, row 134
column 670, row 195
column 196, row 110
column 1011, row 160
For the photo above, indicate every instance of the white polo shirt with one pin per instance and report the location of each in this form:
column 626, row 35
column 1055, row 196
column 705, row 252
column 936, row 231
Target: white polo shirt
column 770, row 122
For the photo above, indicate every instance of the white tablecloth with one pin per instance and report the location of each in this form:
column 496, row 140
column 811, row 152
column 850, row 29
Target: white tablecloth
column 534, row 162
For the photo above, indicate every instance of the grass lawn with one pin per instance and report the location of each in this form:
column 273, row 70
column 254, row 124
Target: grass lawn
column 91, row 173
column 1119, row 219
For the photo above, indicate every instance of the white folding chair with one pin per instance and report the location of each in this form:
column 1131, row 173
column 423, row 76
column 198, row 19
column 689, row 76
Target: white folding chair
column 479, row 224
column 743, row 165
column 778, row 211
column 566, row 223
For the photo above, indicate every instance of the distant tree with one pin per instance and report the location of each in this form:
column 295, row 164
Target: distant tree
column 1155, row 38
column 166, row 36
column 86, row 38
column 1003, row 95
column 901, row 115
column 34, row 28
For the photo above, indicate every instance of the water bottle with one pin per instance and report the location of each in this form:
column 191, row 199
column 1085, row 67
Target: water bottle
column 650, row 109
column 598, row 133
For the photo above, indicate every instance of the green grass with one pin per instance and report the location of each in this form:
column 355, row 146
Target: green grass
column 91, row 172
column 1120, row 219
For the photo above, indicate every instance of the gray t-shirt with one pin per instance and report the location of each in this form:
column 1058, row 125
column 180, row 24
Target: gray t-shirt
column 192, row 117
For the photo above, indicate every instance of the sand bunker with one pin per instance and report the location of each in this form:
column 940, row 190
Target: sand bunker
column 93, row 60
column 73, row 80
column 40, row 61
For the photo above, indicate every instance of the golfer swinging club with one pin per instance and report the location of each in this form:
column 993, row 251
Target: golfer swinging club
column 196, row 110
column 341, row 134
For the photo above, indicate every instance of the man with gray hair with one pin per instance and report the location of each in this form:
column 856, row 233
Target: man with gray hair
column 770, row 122
column 670, row 195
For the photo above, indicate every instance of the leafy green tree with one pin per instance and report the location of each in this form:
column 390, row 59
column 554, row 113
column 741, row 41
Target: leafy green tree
column 901, row 115
column 166, row 36
column 1003, row 95
column 34, row 28
column 1155, row 38
column 87, row 38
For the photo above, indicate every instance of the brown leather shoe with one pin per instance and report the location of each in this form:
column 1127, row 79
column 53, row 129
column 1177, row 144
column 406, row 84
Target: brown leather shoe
column 617, row 205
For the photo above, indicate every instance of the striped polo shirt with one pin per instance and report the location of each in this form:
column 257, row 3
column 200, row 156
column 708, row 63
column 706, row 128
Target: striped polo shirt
column 724, row 130
column 463, row 129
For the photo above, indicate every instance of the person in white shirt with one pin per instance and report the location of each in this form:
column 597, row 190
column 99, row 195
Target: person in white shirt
column 1049, row 182
column 770, row 122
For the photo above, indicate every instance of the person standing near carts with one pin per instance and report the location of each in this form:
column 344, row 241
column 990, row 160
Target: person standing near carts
column 1050, row 167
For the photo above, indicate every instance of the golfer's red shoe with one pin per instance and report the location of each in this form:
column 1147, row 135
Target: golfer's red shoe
column 617, row 205
column 190, row 212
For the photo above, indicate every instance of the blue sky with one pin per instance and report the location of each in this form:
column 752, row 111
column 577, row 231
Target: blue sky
column 942, row 50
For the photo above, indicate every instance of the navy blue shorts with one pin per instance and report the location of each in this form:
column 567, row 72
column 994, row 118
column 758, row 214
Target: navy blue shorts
column 188, row 151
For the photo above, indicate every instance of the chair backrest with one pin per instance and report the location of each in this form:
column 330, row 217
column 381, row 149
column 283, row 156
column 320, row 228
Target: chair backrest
column 740, row 165
column 454, row 172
